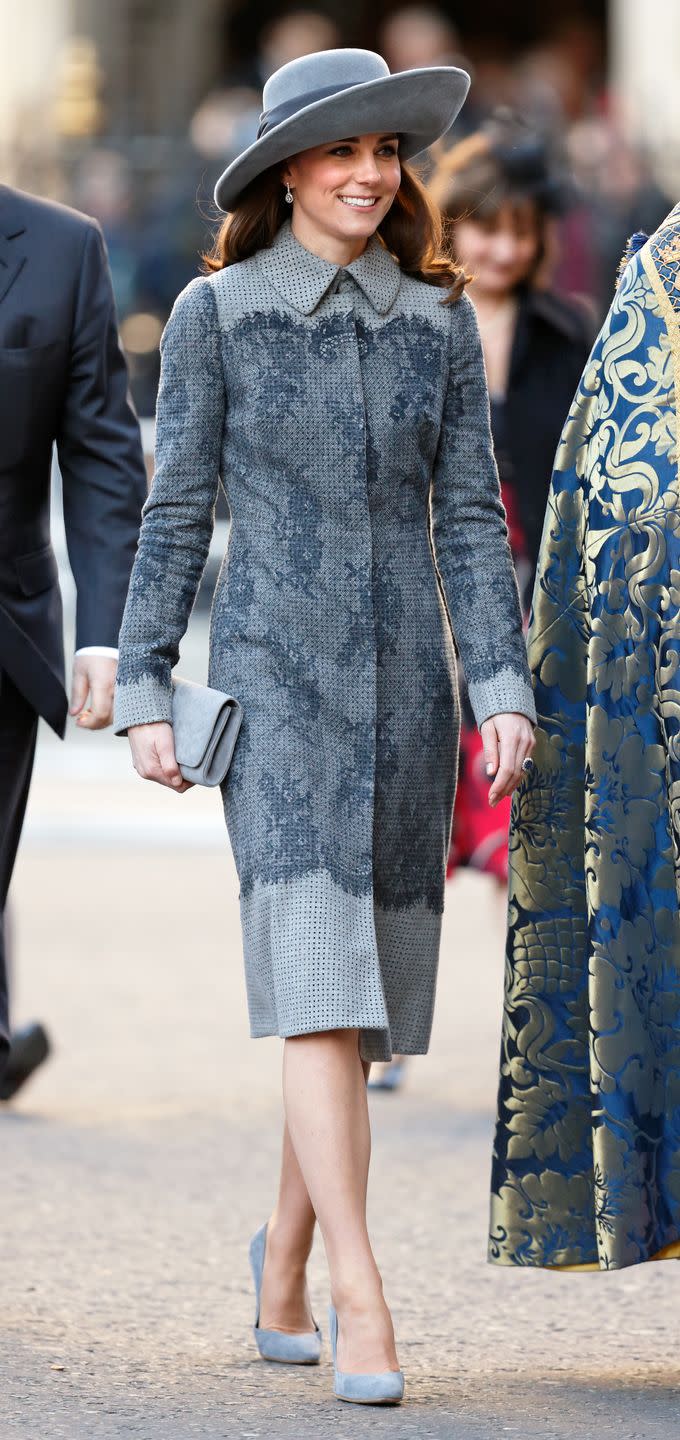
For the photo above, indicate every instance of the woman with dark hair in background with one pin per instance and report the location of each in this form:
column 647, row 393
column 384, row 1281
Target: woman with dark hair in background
column 501, row 193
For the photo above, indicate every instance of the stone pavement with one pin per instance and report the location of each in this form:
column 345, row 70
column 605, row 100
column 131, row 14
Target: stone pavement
column 136, row 1166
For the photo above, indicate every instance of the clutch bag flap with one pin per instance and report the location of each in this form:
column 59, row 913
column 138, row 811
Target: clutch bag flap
column 205, row 725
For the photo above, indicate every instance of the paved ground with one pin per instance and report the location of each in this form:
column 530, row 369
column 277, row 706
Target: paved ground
column 137, row 1165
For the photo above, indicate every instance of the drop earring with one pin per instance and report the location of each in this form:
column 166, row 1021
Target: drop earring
column 289, row 194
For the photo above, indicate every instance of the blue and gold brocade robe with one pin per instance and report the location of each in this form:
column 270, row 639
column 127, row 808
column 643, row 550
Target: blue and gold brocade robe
column 586, row 1168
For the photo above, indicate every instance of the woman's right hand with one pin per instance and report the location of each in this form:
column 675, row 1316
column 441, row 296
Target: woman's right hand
column 153, row 755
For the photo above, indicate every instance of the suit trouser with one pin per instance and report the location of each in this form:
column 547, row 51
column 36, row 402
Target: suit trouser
column 18, row 731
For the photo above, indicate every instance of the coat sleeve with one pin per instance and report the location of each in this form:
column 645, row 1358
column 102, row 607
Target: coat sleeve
column 179, row 514
column 470, row 537
column 100, row 455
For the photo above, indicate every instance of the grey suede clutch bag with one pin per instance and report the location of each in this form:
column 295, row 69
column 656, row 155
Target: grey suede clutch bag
column 205, row 725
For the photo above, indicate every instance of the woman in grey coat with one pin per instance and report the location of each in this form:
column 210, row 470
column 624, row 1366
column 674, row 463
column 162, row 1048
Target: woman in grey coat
column 328, row 371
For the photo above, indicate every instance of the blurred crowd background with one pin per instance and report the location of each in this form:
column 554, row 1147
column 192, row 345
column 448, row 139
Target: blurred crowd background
column 129, row 109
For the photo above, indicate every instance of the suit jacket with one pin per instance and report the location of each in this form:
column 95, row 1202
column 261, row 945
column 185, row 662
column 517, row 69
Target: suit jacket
column 63, row 380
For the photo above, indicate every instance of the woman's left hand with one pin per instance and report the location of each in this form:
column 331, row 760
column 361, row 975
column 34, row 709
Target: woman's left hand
column 508, row 740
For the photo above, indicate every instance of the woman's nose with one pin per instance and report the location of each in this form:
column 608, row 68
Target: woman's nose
column 504, row 250
column 366, row 168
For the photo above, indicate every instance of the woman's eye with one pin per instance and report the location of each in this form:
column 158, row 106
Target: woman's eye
column 347, row 150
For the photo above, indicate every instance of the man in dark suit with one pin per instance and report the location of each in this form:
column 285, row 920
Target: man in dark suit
column 63, row 381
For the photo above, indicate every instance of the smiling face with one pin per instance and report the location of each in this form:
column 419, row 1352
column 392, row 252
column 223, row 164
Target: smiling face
column 500, row 251
column 344, row 189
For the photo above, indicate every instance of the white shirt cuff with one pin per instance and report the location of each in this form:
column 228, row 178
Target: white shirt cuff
column 109, row 650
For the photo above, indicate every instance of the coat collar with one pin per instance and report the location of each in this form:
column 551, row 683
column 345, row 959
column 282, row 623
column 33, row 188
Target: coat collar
column 569, row 322
column 570, row 318
column 303, row 278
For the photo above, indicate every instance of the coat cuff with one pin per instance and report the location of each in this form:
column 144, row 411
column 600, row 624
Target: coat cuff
column 504, row 694
column 141, row 702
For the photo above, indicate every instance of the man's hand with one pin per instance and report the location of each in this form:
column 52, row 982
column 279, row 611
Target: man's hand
column 94, row 677
column 508, row 741
column 153, row 755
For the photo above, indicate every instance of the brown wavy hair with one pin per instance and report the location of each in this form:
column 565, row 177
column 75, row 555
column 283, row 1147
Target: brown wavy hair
column 413, row 230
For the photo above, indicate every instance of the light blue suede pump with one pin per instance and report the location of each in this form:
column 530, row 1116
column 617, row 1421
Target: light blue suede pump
column 302, row 1349
column 385, row 1388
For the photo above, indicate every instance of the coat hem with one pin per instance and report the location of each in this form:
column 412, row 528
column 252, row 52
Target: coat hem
column 386, row 1051
column 588, row 1267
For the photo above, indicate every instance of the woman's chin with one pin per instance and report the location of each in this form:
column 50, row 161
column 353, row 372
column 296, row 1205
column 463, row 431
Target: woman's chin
column 357, row 222
column 495, row 286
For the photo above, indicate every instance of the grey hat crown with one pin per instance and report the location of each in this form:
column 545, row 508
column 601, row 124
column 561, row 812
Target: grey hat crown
column 309, row 78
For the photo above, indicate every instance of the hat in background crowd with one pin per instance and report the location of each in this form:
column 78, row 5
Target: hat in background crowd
column 504, row 159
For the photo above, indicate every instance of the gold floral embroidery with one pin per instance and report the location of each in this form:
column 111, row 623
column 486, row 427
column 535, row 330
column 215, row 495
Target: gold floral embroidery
column 587, row 1156
column 662, row 263
column 670, row 253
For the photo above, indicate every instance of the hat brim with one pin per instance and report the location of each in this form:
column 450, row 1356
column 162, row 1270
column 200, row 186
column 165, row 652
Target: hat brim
column 419, row 105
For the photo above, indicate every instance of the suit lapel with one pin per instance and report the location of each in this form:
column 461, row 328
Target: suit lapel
column 12, row 248
column 12, row 260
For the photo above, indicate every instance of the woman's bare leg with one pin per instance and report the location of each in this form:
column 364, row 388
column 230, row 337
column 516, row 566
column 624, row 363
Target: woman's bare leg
column 284, row 1298
column 324, row 1085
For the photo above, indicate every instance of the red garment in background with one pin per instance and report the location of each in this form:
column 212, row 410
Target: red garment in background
column 518, row 543
column 479, row 835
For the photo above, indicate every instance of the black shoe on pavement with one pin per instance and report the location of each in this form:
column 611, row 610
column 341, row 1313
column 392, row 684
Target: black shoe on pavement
column 29, row 1047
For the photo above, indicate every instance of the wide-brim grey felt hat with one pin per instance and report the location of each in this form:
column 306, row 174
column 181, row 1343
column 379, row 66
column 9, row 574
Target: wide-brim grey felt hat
column 336, row 93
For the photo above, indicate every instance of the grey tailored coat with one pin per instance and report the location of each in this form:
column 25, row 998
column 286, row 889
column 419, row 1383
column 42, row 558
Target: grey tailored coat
column 346, row 412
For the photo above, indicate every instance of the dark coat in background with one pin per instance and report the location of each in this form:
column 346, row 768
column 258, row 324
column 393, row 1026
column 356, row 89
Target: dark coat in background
column 552, row 342
column 62, row 379
column 550, row 348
